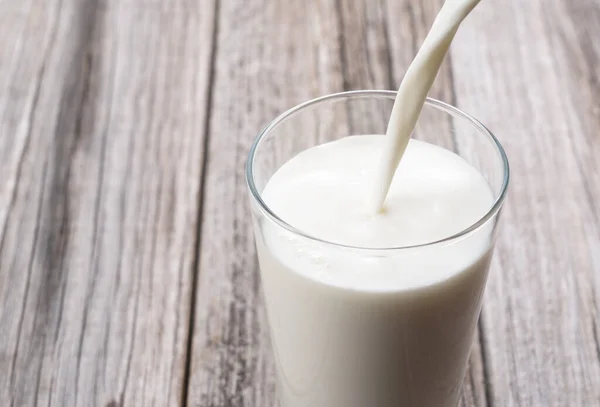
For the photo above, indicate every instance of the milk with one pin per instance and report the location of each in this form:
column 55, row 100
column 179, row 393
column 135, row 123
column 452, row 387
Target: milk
column 373, row 327
column 413, row 90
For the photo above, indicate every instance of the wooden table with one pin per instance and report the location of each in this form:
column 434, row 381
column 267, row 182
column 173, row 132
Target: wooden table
column 128, row 274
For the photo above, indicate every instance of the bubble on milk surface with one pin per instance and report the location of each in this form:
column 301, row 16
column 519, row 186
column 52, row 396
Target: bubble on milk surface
column 304, row 251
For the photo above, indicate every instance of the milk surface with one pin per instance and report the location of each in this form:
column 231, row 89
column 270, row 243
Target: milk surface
column 381, row 328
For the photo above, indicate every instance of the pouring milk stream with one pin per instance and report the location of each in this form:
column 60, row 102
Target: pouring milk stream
column 413, row 90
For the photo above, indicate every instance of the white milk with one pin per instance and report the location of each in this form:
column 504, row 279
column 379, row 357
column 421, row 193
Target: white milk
column 373, row 328
column 413, row 90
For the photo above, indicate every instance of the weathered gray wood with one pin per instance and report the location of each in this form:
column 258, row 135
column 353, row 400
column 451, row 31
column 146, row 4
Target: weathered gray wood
column 103, row 111
column 102, row 117
column 536, row 86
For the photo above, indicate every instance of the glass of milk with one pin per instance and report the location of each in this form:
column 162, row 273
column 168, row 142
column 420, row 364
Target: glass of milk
column 375, row 324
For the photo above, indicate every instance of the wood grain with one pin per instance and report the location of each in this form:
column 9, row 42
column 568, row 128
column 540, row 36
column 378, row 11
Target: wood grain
column 102, row 111
column 127, row 265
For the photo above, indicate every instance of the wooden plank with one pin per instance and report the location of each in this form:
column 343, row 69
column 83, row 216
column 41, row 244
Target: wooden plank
column 102, row 108
column 268, row 59
column 573, row 29
column 524, row 69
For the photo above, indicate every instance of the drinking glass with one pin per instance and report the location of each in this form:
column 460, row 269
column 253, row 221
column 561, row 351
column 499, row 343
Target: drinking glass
column 337, row 346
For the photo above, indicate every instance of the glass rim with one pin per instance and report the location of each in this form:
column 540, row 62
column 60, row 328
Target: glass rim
column 266, row 210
